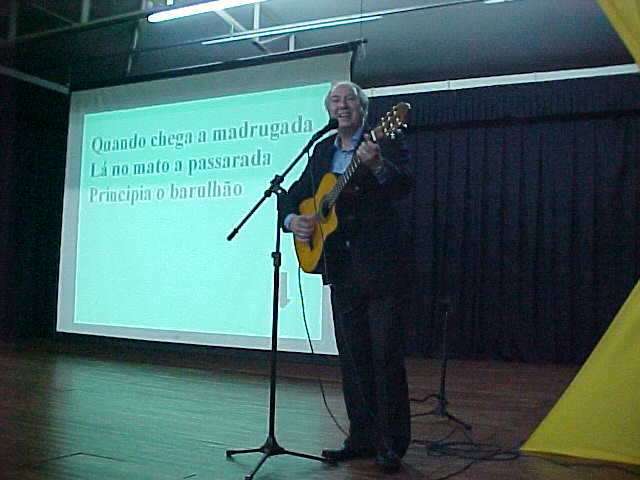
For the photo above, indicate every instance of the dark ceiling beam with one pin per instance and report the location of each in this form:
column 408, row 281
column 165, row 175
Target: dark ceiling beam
column 13, row 20
column 134, row 43
column 25, row 77
column 231, row 21
column 133, row 50
column 85, row 11
column 83, row 27
column 50, row 13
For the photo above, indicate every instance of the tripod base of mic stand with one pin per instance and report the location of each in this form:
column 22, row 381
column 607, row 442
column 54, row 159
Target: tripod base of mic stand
column 441, row 411
column 272, row 448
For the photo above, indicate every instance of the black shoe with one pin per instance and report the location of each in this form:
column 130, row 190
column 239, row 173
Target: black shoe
column 388, row 461
column 348, row 452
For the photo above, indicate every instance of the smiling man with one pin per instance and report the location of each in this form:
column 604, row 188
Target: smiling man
column 362, row 263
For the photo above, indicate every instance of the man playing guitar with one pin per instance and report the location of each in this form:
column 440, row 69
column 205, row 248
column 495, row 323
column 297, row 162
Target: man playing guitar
column 363, row 261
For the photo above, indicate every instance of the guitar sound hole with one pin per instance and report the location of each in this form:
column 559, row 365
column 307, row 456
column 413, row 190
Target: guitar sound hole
column 325, row 209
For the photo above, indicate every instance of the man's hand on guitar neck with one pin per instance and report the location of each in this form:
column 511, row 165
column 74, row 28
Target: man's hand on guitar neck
column 302, row 226
column 369, row 154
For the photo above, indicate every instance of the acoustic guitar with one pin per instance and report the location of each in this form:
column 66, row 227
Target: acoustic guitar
column 323, row 204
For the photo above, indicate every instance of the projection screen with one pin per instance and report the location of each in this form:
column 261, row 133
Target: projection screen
column 158, row 174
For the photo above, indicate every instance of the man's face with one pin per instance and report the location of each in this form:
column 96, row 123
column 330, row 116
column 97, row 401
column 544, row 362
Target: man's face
column 344, row 106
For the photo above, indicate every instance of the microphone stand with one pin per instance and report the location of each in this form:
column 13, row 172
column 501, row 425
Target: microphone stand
column 271, row 447
column 440, row 410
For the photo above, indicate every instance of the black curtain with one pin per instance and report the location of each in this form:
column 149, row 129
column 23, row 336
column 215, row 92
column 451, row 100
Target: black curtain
column 525, row 216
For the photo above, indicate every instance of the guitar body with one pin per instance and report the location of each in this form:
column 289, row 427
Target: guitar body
column 322, row 204
column 309, row 253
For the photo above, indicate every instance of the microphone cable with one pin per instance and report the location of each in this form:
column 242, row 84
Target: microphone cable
column 306, row 327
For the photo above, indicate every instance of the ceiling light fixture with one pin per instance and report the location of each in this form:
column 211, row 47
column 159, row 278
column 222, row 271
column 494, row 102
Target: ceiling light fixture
column 293, row 27
column 197, row 9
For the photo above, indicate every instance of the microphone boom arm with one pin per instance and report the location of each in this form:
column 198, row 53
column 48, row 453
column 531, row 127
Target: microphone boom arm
column 276, row 181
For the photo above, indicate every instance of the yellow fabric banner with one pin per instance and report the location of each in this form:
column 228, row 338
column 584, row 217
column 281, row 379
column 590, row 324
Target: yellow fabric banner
column 598, row 416
column 624, row 15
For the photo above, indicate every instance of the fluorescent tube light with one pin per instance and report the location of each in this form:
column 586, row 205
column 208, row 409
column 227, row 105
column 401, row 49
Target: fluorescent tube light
column 197, row 9
column 292, row 28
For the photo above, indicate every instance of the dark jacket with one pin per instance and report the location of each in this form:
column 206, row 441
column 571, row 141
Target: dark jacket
column 367, row 251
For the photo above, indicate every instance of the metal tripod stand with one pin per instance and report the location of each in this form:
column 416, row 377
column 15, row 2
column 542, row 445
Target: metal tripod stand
column 440, row 410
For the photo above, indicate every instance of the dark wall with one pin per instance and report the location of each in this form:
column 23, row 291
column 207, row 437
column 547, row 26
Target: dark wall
column 525, row 216
column 7, row 127
column 33, row 162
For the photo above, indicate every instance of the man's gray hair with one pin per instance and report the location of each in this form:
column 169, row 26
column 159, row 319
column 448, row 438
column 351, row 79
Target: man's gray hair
column 362, row 97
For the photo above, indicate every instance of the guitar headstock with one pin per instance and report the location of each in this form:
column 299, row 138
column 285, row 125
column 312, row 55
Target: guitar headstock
column 393, row 123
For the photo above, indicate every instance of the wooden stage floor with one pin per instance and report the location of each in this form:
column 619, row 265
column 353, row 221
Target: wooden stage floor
column 105, row 413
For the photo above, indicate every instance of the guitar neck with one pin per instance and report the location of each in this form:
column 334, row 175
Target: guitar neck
column 334, row 193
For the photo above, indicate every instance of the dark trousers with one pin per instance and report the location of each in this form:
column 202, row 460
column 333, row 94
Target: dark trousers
column 369, row 337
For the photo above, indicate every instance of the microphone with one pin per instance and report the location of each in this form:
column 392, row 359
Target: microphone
column 332, row 124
